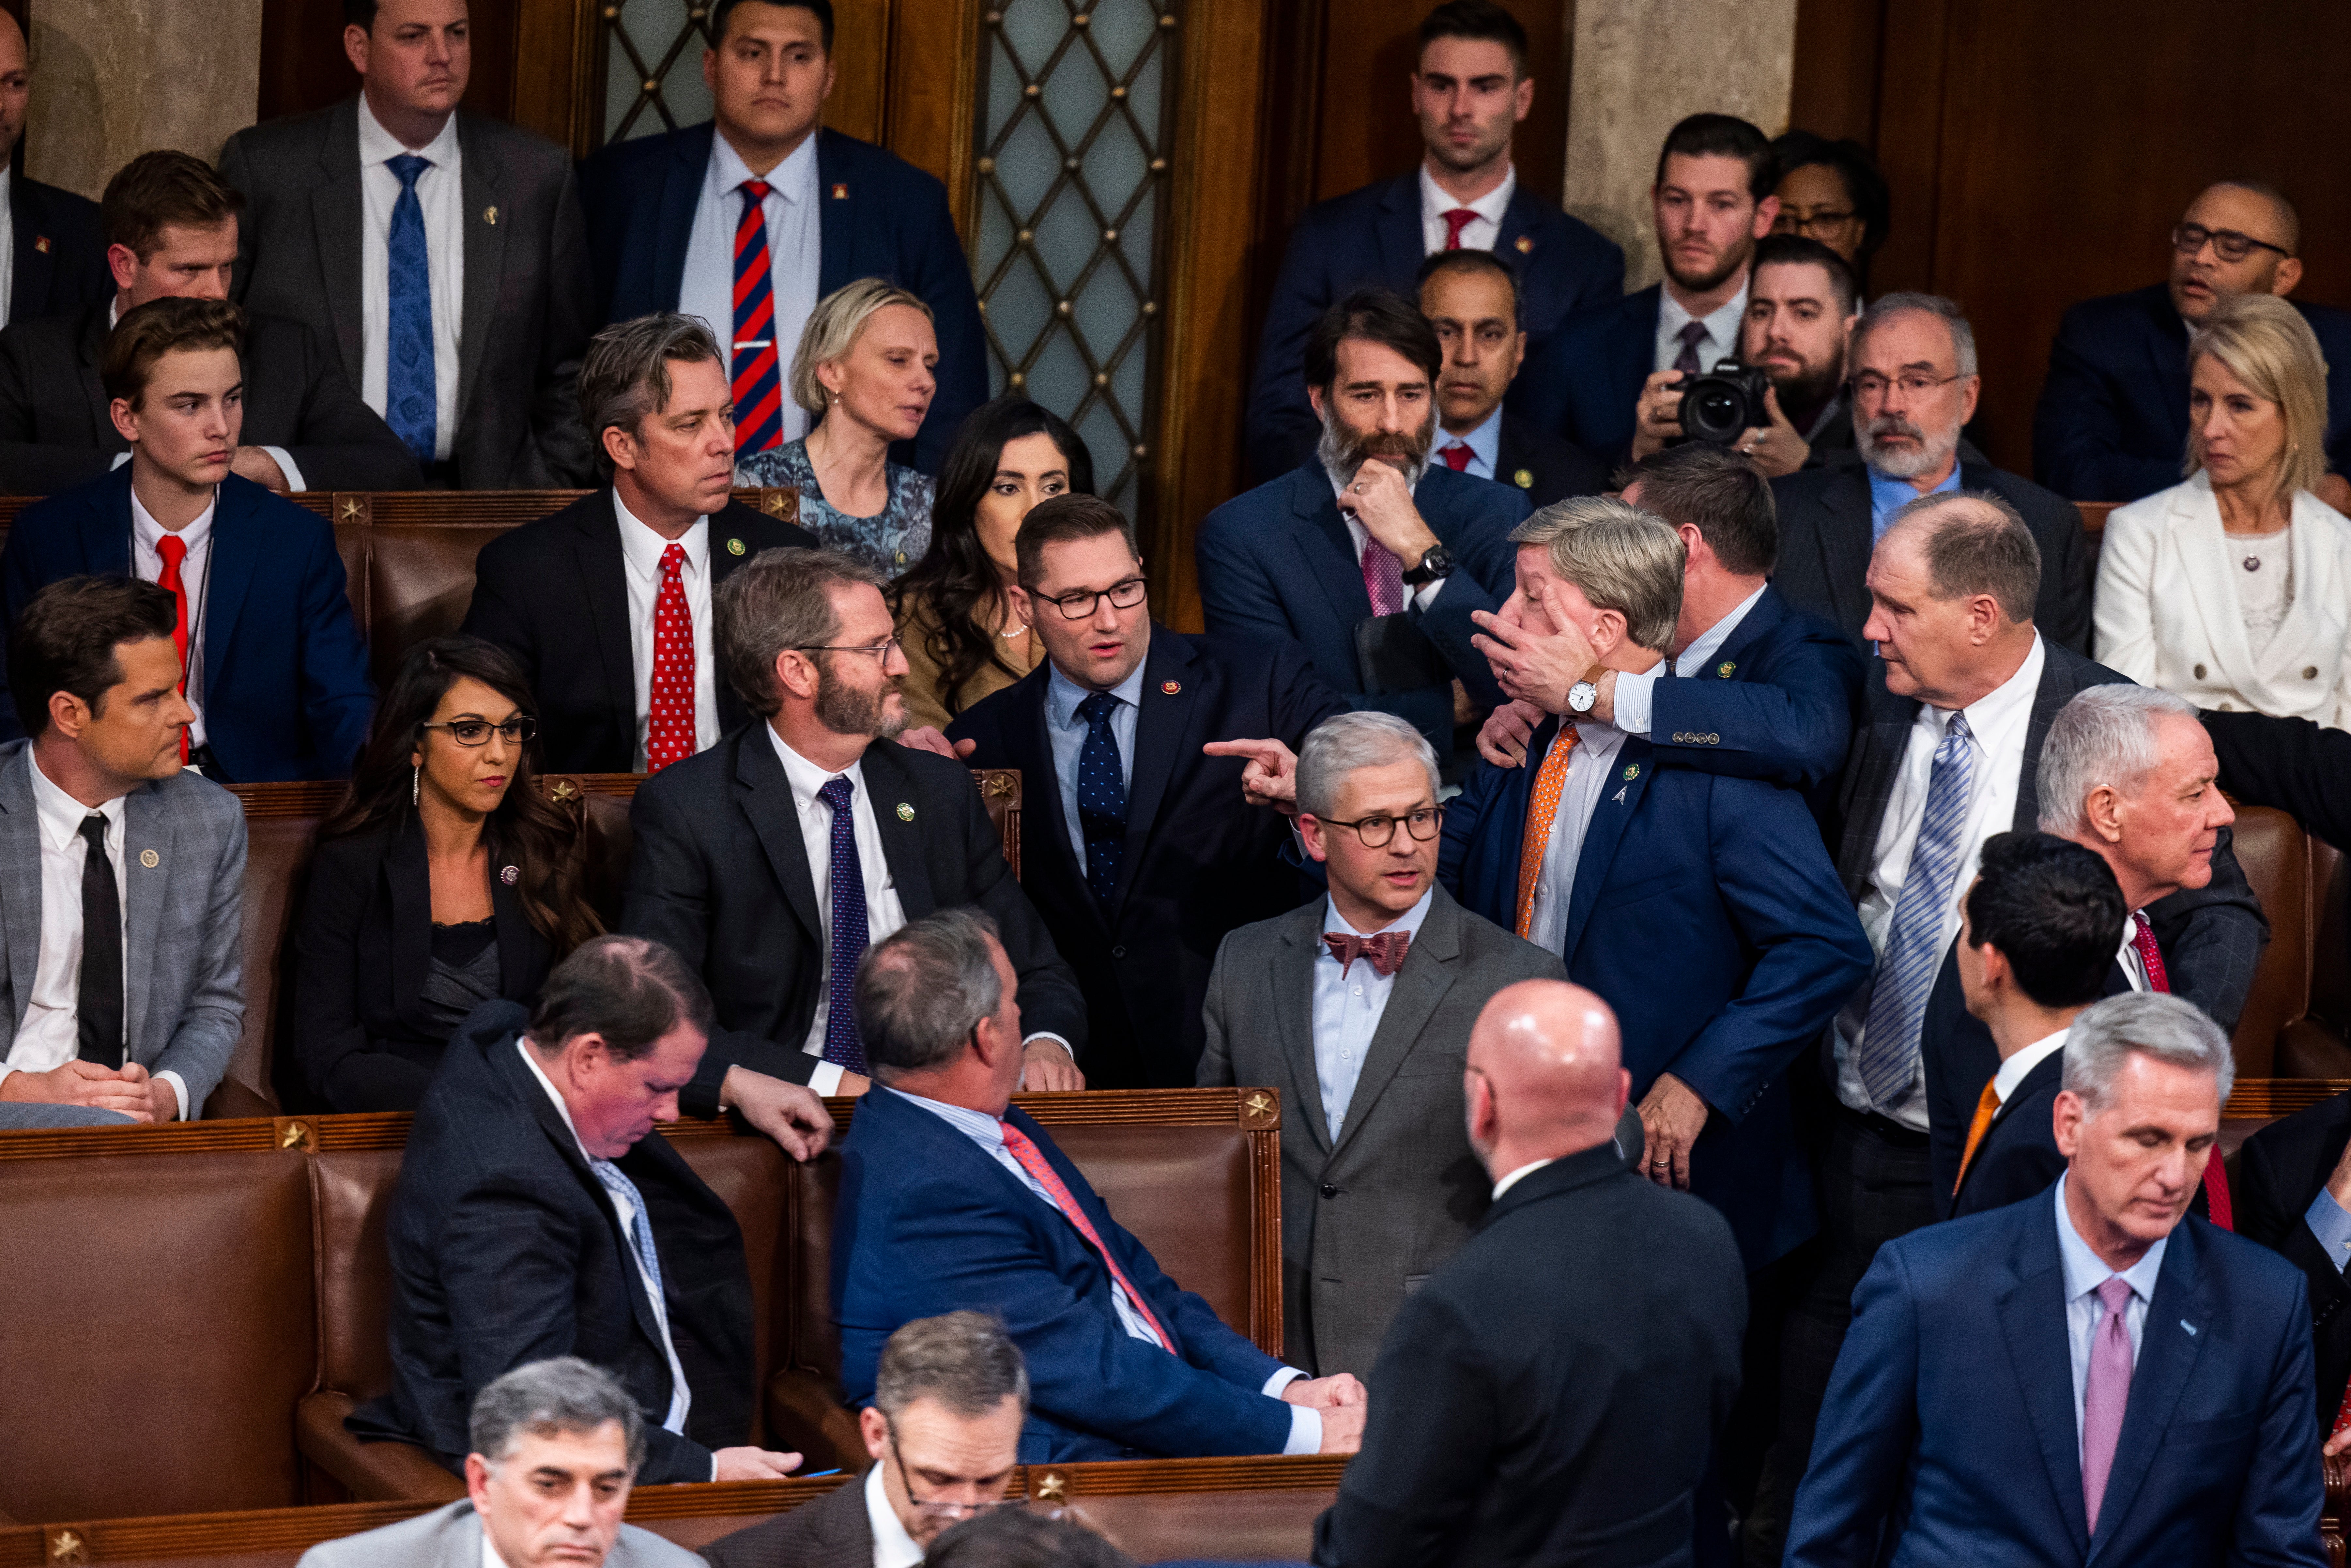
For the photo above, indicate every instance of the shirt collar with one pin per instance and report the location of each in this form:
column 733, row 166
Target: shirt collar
column 1063, row 695
column 892, row 1547
column 2015, row 1069
column 1886, row 495
column 1486, row 441
column 1707, row 643
column 1408, row 921
column 61, row 815
column 1435, row 203
column 2001, row 712
column 148, row 533
column 530, row 1060
column 1520, row 1175
column 1722, row 327
column 641, row 548
column 794, row 179
column 977, row 1125
column 378, row 145
column 2085, row 1271
column 806, row 777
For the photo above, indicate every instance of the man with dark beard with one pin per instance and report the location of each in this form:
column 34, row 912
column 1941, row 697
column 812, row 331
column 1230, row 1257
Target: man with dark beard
column 1799, row 308
column 1367, row 554
column 771, row 861
column 1914, row 385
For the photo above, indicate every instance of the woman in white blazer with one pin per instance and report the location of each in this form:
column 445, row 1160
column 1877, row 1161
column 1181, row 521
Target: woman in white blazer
column 2234, row 588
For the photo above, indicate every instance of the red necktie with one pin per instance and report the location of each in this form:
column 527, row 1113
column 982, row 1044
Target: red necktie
column 1032, row 1160
column 1456, row 456
column 1385, row 950
column 669, row 721
column 2217, row 1205
column 1456, row 220
column 757, row 374
column 174, row 551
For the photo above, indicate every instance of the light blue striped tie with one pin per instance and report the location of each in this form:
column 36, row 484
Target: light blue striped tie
column 1888, row 1058
column 640, row 1228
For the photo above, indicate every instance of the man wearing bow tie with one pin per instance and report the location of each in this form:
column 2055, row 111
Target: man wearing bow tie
column 1358, row 1008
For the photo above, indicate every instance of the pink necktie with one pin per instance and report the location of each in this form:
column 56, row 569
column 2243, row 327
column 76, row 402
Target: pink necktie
column 1383, row 577
column 2106, row 1394
column 1032, row 1159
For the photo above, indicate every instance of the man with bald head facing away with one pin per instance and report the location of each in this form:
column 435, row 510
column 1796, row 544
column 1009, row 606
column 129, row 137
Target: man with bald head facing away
column 1554, row 1390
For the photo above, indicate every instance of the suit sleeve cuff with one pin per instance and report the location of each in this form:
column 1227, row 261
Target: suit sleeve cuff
column 826, row 1078
column 1634, row 700
column 285, row 464
column 180, row 1088
column 2331, row 1226
column 1283, row 1376
column 1305, row 1430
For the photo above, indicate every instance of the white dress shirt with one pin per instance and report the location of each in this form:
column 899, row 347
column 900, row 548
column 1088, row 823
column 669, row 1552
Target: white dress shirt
column 147, row 565
column 2084, row 1272
column 50, row 1035
column 1590, row 767
column 441, row 194
column 1418, row 598
column 2015, row 1069
column 7, row 247
column 1480, row 232
column 892, row 1547
column 1305, row 1424
column 1721, row 339
column 1637, row 694
column 1485, row 443
column 1066, row 733
column 1520, row 1175
column 795, row 254
column 1347, row 1008
column 641, row 552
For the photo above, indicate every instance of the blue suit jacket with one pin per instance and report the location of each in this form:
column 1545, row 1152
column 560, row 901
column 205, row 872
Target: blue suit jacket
column 285, row 681
column 1584, row 381
column 879, row 216
column 1706, row 912
column 1949, row 1421
column 1373, row 237
column 2112, row 422
column 1777, row 702
column 928, row 1223
column 1277, row 562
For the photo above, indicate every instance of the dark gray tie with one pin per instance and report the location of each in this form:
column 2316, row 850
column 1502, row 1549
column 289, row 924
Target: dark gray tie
column 97, row 1003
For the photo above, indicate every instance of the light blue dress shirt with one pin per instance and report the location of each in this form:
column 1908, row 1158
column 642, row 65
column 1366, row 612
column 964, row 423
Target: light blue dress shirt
column 2084, row 1272
column 1637, row 694
column 2330, row 1225
column 1067, row 732
column 1485, row 445
column 1888, row 497
column 1347, row 1009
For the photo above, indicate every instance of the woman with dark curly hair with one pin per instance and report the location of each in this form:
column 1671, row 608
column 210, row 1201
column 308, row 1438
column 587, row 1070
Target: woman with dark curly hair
column 443, row 879
column 962, row 637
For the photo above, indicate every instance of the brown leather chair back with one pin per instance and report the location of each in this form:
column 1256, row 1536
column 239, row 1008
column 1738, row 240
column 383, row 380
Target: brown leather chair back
column 419, row 578
column 2275, row 856
column 277, row 851
column 753, row 1176
column 2330, row 947
column 350, row 1191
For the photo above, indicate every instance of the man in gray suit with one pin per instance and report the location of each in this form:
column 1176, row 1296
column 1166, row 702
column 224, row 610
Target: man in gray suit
column 1358, row 1008
column 122, row 875
column 442, row 254
column 556, row 1444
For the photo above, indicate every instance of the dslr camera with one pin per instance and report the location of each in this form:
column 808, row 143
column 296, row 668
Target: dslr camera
column 1718, row 404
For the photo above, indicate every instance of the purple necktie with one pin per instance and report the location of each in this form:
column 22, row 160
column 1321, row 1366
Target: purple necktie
column 2106, row 1392
column 841, row 1046
column 1383, row 577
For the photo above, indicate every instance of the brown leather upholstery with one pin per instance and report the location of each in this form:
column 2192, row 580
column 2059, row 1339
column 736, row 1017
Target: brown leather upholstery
column 2313, row 1046
column 2275, row 856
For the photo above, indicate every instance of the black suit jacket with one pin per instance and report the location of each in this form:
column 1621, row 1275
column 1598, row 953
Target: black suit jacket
column 830, row 1532
column 2017, row 1158
column 525, row 321
column 56, row 431
column 721, row 874
column 555, row 593
column 1199, row 860
column 1550, row 1394
column 2279, row 1171
column 1548, row 468
column 1826, row 542
column 362, row 949
column 60, row 251
column 506, row 1250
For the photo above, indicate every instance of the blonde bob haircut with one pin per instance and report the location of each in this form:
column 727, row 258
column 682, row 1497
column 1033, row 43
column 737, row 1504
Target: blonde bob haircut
column 2266, row 343
column 1621, row 558
column 832, row 330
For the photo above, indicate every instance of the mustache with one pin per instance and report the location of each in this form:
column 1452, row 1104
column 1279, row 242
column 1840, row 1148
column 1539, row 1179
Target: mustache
column 1886, row 425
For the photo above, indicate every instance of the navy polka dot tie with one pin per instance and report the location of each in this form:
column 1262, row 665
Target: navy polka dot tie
column 1102, row 796
column 841, row 1046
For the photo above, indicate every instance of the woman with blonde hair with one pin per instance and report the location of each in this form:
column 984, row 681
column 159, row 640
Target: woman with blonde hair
column 865, row 372
column 2233, row 589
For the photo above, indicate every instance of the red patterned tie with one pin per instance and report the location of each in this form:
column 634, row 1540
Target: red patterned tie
column 1456, row 456
column 2217, row 1205
column 1032, row 1160
column 1385, row 950
column 669, row 720
column 758, row 378
column 174, row 551
column 1456, row 220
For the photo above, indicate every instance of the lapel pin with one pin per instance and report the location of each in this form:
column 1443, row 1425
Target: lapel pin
column 840, row 190
column 41, row 243
column 1170, row 687
column 734, row 547
column 510, row 875
column 1724, row 668
column 2189, row 1326
column 906, row 812
column 1526, row 245
column 1524, row 478
column 490, row 216
column 1632, row 772
column 150, row 858
column 1619, row 796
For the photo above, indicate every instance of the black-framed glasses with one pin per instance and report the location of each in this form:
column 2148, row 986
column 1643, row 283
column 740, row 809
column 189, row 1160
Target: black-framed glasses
column 1869, row 386
column 1079, row 605
column 1793, row 222
column 1377, row 831
column 939, row 1508
column 476, row 731
column 2229, row 244
column 881, row 651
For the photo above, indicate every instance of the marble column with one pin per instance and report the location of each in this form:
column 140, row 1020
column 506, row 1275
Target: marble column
column 1639, row 66
column 112, row 78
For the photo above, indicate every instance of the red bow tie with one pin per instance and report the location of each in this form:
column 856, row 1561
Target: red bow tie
column 1385, row 950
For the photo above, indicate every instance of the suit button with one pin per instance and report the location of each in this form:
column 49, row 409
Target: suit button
column 1714, row 737
column 2199, row 672
column 1118, row 952
column 1330, row 1191
column 2310, row 672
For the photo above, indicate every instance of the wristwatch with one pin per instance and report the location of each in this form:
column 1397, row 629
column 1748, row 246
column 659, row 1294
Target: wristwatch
column 1585, row 692
column 1434, row 565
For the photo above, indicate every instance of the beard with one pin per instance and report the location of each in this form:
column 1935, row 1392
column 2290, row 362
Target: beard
column 1931, row 453
column 1341, row 451
column 1808, row 386
column 1733, row 256
column 845, row 709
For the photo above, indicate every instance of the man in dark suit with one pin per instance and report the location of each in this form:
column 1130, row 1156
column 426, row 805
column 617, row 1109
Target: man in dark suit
column 2036, row 942
column 654, row 391
column 275, row 667
column 771, row 861
column 1472, row 298
column 1470, row 87
column 667, row 230
column 534, row 1217
column 951, row 1199
column 1550, row 1393
column 1143, row 852
column 171, row 227
column 53, row 253
column 1915, row 384
column 2091, row 1375
column 1801, row 306
column 440, row 251
column 944, row 1431
column 1370, row 556
column 2113, row 418
column 1608, row 379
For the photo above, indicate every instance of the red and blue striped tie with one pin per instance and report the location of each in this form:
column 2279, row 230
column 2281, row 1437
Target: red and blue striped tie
column 758, row 384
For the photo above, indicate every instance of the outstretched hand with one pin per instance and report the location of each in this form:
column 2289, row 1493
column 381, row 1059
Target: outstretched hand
column 1509, row 730
column 1270, row 777
column 1535, row 667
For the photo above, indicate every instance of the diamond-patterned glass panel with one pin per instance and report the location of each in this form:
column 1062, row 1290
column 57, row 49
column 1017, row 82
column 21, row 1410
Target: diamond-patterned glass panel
column 1071, row 169
column 653, row 65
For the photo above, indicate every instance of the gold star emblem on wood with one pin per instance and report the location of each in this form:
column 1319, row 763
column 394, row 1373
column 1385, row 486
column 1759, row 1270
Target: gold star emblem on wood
column 64, row 1546
column 562, row 789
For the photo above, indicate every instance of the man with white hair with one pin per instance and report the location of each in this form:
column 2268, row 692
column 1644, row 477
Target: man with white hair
column 2090, row 1374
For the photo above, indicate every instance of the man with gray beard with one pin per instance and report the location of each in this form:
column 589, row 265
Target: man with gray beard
column 1913, row 386
column 1367, row 555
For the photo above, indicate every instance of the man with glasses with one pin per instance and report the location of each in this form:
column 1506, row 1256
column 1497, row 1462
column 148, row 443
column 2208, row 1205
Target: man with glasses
column 2113, row 418
column 1914, row 385
column 944, row 1430
column 1143, row 851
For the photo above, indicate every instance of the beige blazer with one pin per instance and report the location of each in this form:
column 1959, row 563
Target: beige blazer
column 2168, row 615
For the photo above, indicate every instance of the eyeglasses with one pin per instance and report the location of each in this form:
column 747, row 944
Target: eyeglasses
column 476, row 731
column 881, row 651
column 1869, row 386
column 1377, row 831
column 2229, row 244
column 939, row 1509
column 1079, row 605
column 1790, row 222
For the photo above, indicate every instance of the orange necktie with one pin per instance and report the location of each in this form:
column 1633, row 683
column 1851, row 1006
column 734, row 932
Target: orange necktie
column 1541, row 812
column 1987, row 1107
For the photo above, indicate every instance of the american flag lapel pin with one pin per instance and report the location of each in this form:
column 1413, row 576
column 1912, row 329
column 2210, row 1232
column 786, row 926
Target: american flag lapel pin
column 41, row 243
column 840, row 190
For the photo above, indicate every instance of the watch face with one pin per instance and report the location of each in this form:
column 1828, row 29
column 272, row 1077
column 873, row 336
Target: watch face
column 1581, row 695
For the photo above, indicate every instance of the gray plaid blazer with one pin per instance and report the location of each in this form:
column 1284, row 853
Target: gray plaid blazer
column 450, row 1537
